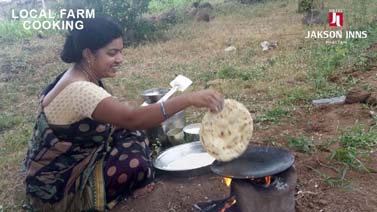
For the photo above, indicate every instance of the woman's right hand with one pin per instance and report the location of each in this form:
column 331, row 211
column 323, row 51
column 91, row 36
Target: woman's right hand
column 207, row 98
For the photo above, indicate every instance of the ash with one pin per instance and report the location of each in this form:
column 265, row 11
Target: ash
column 279, row 183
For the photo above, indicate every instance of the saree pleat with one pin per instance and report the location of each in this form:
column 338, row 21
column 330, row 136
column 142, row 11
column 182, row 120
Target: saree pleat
column 63, row 167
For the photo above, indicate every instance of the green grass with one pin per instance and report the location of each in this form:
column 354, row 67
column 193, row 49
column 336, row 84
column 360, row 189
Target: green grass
column 340, row 181
column 359, row 138
column 11, row 30
column 26, row 66
column 302, row 144
column 274, row 115
column 8, row 121
column 356, row 144
column 232, row 73
column 296, row 95
column 14, row 30
column 330, row 60
column 162, row 5
column 12, row 152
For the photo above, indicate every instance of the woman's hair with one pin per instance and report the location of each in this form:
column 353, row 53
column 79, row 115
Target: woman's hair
column 97, row 33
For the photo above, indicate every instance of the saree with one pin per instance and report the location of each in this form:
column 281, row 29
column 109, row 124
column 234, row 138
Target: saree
column 83, row 166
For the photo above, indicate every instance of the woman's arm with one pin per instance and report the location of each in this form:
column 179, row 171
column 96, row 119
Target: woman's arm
column 110, row 110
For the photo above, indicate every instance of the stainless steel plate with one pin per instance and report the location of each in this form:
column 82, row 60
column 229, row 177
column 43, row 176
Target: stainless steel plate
column 183, row 159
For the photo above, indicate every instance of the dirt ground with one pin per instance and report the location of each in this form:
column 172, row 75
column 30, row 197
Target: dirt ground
column 312, row 192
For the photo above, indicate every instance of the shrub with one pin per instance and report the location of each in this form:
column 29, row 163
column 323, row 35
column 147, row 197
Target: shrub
column 11, row 30
column 305, row 5
column 125, row 12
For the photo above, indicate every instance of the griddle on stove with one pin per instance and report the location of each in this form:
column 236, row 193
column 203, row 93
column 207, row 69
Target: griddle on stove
column 247, row 173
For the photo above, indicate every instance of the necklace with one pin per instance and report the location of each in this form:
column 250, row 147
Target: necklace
column 90, row 75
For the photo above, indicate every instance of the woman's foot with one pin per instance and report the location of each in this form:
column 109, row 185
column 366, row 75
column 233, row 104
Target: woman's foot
column 142, row 191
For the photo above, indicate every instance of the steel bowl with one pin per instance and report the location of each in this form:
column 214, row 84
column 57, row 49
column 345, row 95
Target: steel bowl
column 153, row 95
column 192, row 132
column 179, row 153
column 177, row 120
column 175, row 136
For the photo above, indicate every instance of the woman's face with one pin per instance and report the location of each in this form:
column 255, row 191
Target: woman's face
column 107, row 59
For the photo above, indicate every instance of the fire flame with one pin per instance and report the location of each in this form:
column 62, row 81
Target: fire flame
column 227, row 181
column 229, row 203
column 267, row 179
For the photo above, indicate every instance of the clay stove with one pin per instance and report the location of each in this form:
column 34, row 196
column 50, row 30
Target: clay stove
column 267, row 194
column 263, row 180
column 278, row 196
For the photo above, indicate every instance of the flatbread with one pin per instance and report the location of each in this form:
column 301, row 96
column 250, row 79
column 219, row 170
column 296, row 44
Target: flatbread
column 226, row 135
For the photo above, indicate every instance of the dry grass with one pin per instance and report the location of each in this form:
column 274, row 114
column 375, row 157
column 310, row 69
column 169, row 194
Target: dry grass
column 199, row 47
column 32, row 64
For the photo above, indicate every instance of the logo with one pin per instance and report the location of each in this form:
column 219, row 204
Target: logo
column 336, row 35
column 336, row 18
column 47, row 19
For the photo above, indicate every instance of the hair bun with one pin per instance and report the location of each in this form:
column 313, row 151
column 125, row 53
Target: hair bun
column 97, row 33
column 69, row 52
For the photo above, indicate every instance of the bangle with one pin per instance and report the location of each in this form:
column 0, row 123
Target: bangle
column 163, row 110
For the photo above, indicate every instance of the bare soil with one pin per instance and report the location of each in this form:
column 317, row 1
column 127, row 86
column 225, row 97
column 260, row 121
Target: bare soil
column 357, row 193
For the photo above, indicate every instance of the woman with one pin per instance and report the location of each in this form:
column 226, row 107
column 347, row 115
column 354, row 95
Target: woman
column 86, row 150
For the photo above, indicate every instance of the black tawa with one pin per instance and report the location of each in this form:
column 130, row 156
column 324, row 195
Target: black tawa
column 256, row 162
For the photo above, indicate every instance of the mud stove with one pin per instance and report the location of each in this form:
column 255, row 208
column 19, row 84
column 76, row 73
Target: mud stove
column 271, row 193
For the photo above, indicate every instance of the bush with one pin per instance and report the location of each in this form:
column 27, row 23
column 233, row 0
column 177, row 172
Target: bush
column 305, row 5
column 11, row 30
column 125, row 12
column 143, row 30
column 129, row 14
column 165, row 5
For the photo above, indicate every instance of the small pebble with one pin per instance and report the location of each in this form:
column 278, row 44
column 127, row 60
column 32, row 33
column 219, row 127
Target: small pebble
column 323, row 202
